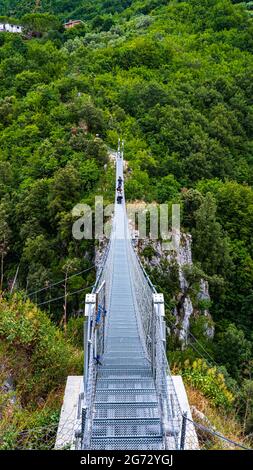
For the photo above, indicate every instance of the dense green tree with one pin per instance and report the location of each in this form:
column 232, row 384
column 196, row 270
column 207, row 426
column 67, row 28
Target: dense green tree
column 167, row 189
column 233, row 350
column 247, row 397
column 64, row 190
column 5, row 235
column 6, row 178
column 210, row 247
column 40, row 22
column 191, row 202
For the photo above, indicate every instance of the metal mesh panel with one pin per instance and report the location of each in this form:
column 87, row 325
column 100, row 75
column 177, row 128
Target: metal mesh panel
column 123, row 395
column 127, row 410
column 138, row 443
column 98, row 337
column 125, row 373
column 151, row 327
column 127, row 361
column 126, row 427
column 136, row 382
column 143, row 296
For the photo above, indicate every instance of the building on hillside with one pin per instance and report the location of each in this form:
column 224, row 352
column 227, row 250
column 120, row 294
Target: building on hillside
column 10, row 28
column 72, row 23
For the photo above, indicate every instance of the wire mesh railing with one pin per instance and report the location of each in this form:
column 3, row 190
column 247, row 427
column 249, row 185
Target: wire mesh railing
column 96, row 333
column 195, row 434
column 151, row 334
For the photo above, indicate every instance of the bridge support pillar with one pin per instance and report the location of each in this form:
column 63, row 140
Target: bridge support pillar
column 159, row 314
column 90, row 305
column 158, row 321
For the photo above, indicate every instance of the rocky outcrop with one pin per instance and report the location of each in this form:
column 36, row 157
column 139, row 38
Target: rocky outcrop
column 186, row 308
column 184, row 257
column 8, row 387
column 99, row 251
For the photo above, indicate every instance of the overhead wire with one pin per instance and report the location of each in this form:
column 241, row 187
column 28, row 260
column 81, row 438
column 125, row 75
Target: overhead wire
column 67, row 295
column 62, row 280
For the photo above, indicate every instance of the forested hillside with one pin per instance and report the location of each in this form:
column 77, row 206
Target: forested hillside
column 86, row 9
column 174, row 79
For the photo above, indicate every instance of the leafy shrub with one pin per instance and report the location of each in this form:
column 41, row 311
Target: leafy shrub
column 29, row 430
column 148, row 252
column 39, row 355
column 75, row 331
column 209, row 381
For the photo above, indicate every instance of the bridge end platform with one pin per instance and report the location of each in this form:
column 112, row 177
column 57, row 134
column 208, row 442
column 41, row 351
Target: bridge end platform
column 70, row 423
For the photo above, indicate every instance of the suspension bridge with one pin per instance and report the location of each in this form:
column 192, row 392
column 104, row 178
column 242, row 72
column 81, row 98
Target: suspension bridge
column 127, row 398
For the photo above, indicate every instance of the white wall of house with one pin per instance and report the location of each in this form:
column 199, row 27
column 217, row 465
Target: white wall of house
column 10, row 28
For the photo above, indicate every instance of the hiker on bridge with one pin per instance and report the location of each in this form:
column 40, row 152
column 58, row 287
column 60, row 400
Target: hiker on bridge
column 119, row 198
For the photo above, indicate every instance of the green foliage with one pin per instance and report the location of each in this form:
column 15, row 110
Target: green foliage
column 167, row 189
column 45, row 357
column 234, row 351
column 36, row 359
column 211, row 248
column 75, row 331
column 30, row 430
column 200, row 324
column 209, row 381
column 148, row 252
column 136, row 186
column 175, row 80
column 246, row 397
column 234, row 214
column 40, row 22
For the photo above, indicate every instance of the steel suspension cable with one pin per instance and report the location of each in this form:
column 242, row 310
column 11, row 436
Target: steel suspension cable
column 62, row 280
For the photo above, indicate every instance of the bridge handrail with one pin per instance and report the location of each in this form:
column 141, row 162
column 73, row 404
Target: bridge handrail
column 150, row 334
column 101, row 267
column 151, row 331
column 95, row 346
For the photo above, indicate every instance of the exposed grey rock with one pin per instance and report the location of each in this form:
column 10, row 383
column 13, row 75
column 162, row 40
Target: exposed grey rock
column 8, row 387
column 183, row 257
column 202, row 417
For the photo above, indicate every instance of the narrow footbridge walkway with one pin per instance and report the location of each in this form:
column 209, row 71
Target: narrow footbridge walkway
column 131, row 402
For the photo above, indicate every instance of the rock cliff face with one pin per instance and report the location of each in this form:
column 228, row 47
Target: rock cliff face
column 99, row 251
column 186, row 307
column 184, row 257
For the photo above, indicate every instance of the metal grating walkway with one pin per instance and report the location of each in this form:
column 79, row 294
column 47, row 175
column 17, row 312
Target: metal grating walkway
column 126, row 412
column 129, row 400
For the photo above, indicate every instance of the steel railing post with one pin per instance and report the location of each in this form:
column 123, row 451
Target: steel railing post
column 183, row 431
column 90, row 304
